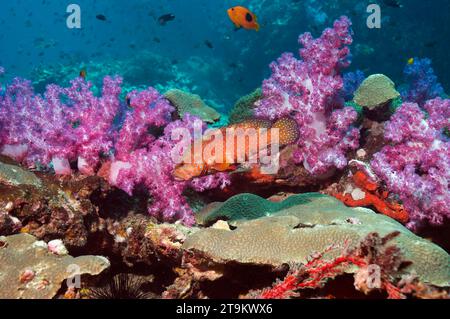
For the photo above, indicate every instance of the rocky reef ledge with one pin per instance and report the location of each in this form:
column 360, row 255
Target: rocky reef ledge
column 245, row 247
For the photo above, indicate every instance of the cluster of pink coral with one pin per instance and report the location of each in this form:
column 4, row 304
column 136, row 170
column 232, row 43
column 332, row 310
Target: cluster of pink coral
column 416, row 164
column 71, row 125
column 308, row 90
column 143, row 159
column 65, row 125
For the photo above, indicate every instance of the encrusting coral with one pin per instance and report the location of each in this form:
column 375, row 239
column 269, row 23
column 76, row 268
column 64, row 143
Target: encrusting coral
column 378, row 265
column 244, row 108
column 250, row 206
column 372, row 195
column 30, row 270
column 374, row 91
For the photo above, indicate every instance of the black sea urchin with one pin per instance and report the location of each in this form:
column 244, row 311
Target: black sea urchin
column 122, row 286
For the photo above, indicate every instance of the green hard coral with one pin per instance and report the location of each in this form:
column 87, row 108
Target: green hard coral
column 243, row 109
column 249, row 206
column 375, row 91
column 395, row 104
column 292, row 235
column 186, row 102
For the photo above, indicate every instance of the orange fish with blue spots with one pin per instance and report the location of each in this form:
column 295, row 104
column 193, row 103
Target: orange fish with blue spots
column 236, row 147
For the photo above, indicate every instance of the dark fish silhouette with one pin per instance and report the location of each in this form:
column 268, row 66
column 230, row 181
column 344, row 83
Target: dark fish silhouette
column 100, row 17
column 209, row 44
column 430, row 44
column 83, row 74
column 393, row 3
column 162, row 20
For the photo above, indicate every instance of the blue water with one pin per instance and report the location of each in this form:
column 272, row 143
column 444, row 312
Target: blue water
column 34, row 38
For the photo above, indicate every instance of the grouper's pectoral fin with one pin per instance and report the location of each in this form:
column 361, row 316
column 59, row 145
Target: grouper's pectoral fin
column 223, row 167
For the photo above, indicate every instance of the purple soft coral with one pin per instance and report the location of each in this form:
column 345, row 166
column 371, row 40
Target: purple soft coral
column 144, row 159
column 71, row 124
column 352, row 81
column 93, row 118
column 67, row 124
column 308, row 90
column 423, row 84
column 416, row 166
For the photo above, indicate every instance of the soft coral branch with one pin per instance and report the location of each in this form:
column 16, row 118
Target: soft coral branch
column 69, row 125
column 309, row 90
column 416, row 164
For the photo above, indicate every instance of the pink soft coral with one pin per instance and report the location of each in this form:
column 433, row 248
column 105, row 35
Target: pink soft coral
column 308, row 90
column 72, row 125
column 66, row 124
column 416, row 164
column 144, row 159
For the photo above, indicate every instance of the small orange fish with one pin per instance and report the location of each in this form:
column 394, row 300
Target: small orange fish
column 83, row 74
column 242, row 147
column 243, row 18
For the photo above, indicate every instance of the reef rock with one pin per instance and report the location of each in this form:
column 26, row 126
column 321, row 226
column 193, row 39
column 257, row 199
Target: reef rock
column 15, row 175
column 29, row 270
column 375, row 91
column 139, row 240
column 47, row 207
column 190, row 103
column 294, row 234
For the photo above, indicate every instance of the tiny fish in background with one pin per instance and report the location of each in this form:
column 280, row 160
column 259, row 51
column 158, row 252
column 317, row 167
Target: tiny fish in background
column 393, row 3
column 83, row 74
column 209, row 44
column 243, row 18
column 162, row 20
column 101, row 17
column 410, row 61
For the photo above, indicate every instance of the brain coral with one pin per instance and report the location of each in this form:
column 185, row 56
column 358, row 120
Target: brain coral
column 376, row 90
column 294, row 234
column 250, row 206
